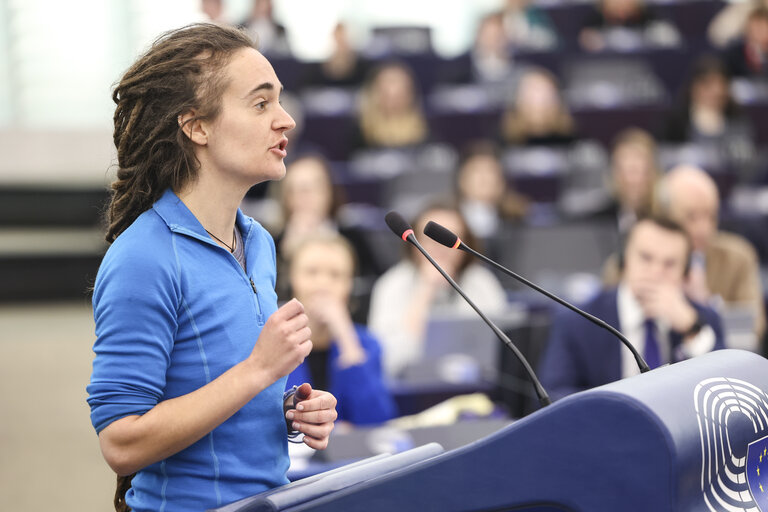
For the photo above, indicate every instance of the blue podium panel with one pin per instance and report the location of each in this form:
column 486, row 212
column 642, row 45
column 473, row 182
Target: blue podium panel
column 674, row 439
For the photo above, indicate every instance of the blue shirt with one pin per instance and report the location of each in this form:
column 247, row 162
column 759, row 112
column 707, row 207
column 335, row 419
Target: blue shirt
column 173, row 311
column 362, row 397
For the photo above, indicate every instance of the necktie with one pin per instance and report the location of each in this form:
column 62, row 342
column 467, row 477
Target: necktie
column 652, row 352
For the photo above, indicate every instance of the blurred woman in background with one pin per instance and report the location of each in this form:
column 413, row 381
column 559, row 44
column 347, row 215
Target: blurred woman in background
column 729, row 24
column 491, row 56
column 407, row 294
column 344, row 67
column 309, row 203
column 632, row 178
column 391, row 115
column 528, row 27
column 538, row 115
column 346, row 357
column 485, row 198
column 626, row 25
column 707, row 111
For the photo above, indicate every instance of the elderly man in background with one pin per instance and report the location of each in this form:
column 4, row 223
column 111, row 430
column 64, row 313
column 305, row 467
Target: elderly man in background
column 724, row 266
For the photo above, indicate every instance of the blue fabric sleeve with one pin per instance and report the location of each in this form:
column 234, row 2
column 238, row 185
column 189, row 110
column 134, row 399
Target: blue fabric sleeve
column 135, row 303
column 363, row 396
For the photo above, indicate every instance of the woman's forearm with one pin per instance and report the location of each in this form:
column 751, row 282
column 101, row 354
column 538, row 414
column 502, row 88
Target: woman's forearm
column 134, row 442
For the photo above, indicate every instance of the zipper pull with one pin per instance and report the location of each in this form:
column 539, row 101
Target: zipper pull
column 253, row 285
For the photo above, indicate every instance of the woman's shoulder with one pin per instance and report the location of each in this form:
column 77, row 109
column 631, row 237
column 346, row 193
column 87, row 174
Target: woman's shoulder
column 143, row 248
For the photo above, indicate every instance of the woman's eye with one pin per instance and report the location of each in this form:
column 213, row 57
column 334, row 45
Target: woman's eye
column 261, row 105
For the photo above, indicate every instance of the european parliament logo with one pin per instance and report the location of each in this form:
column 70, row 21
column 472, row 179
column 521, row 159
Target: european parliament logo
column 733, row 478
column 757, row 472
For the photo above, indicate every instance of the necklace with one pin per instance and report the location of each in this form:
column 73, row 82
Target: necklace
column 230, row 247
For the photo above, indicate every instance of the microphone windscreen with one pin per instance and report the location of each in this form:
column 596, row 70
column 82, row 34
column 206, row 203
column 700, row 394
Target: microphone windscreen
column 396, row 223
column 441, row 235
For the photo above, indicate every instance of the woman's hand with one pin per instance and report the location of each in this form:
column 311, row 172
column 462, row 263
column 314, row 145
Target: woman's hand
column 314, row 415
column 283, row 344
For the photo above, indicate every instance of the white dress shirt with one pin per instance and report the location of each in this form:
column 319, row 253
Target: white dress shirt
column 632, row 325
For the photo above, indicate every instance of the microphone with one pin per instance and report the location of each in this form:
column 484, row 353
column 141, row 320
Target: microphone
column 400, row 227
column 447, row 238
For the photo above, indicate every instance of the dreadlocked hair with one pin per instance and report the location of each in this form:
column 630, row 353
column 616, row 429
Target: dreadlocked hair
column 123, row 484
column 182, row 71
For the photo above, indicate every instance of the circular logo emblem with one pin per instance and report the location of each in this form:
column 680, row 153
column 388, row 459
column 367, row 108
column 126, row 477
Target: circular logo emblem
column 732, row 476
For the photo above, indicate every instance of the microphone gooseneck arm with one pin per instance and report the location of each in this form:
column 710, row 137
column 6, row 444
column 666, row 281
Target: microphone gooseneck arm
column 449, row 239
column 541, row 393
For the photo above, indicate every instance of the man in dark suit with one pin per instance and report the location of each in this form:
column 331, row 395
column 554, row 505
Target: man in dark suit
column 648, row 307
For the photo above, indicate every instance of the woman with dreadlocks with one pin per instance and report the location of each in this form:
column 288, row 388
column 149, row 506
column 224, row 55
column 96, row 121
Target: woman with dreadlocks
column 192, row 353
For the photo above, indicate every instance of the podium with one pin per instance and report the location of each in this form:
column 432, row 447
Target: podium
column 684, row 437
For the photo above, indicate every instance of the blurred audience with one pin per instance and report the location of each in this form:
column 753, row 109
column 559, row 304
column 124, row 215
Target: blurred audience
column 485, row 199
column 528, row 27
column 626, row 25
column 707, row 112
column 491, row 55
column 632, row 180
column 391, row 114
column 405, row 296
column 649, row 307
column 748, row 55
column 345, row 357
column 538, row 114
column 309, row 202
column 213, row 10
column 728, row 25
column 344, row 67
column 724, row 266
column 261, row 26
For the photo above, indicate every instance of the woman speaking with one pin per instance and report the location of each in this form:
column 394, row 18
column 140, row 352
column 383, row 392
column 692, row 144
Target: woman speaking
column 192, row 353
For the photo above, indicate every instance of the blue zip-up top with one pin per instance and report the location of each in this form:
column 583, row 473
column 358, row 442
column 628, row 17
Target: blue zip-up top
column 173, row 311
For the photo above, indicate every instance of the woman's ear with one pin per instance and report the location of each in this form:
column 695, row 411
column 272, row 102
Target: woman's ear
column 193, row 127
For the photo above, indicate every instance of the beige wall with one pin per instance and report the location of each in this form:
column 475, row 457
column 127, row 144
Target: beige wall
column 57, row 158
column 49, row 454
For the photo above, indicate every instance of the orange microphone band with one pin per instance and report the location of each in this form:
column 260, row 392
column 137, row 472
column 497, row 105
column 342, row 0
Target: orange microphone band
column 457, row 244
column 405, row 235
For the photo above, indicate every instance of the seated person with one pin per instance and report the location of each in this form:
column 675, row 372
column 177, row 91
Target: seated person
column 405, row 296
column 724, row 267
column 491, row 55
column 342, row 68
column 707, row 113
column 538, row 114
column 527, row 26
column 632, row 179
column 485, row 198
column 649, row 307
column 728, row 25
column 345, row 357
column 262, row 27
column 625, row 25
column 309, row 203
column 723, row 264
column 391, row 115
column 748, row 56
